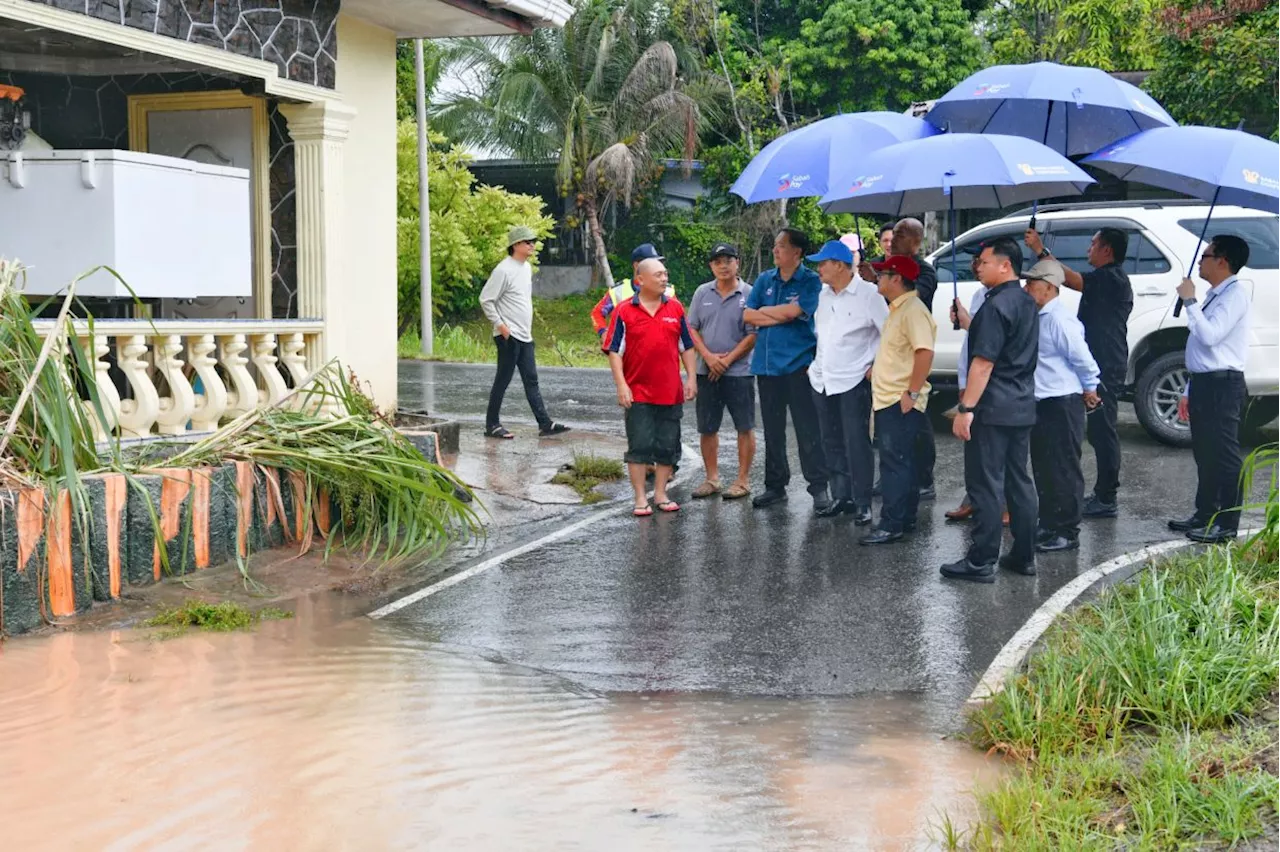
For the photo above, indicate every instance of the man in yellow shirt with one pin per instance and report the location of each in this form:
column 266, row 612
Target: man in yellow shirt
column 899, row 393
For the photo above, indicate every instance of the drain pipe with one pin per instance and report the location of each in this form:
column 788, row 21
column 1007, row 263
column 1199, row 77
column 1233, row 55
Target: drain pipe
column 424, row 204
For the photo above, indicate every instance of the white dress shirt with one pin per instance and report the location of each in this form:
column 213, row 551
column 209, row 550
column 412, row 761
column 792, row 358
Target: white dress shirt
column 1219, row 327
column 848, row 326
column 962, row 368
column 1065, row 366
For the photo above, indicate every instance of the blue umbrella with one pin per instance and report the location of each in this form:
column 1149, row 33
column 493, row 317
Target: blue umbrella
column 956, row 171
column 1070, row 109
column 1210, row 163
column 797, row 164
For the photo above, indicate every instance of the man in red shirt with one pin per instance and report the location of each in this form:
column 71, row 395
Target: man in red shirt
column 647, row 340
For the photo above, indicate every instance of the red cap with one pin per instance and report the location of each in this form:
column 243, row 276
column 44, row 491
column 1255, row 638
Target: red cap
column 899, row 263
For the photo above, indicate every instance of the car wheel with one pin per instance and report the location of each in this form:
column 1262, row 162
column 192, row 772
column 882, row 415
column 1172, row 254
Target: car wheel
column 1258, row 412
column 1156, row 398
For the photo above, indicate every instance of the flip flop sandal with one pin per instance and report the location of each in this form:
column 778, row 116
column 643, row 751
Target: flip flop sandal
column 735, row 492
column 499, row 432
column 706, row 489
column 669, row 506
column 642, row 511
column 553, row 429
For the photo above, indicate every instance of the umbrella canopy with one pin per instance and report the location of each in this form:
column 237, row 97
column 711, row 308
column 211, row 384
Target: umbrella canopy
column 797, row 164
column 954, row 170
column 1070, row 109
column 1209, row 163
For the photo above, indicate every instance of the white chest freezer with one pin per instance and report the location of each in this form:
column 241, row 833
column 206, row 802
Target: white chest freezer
column 172, row 228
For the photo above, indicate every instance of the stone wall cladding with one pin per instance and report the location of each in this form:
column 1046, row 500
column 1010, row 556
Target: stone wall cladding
column 93, row 113
column 299, row 36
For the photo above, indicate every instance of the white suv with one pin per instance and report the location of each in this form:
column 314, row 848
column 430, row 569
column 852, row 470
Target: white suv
column 1162, row 240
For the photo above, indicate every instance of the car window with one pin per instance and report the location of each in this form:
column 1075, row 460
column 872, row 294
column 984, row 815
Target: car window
column 1258, row 231
column 967, row 250
column 1072, row 248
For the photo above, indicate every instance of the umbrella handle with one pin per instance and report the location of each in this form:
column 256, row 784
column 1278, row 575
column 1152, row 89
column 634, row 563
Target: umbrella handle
column 1177, row 306
column 955, row 279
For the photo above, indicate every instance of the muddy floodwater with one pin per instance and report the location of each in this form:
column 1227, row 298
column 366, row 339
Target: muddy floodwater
column 318, row 733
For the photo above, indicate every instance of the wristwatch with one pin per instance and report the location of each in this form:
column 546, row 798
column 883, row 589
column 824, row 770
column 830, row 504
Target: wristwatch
column 1044, row 254
column 915, row 395
column 1189, row 302
column 964, row 409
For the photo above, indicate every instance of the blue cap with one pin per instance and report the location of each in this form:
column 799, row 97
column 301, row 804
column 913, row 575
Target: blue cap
column 833, row 250
column 644, row 251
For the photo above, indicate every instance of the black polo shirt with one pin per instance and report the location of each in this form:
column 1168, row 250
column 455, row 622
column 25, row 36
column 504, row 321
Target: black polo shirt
column 926, row 282
column 1007, row 333
column 1105, row 304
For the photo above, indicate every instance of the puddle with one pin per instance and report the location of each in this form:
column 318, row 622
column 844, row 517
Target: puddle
column 311, row 734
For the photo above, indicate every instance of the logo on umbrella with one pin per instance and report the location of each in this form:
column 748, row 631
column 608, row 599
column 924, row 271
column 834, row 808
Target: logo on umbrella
column 791, row 182
column 1257, row 179
column 1251, row 176
column 862, row 182
column 990, row 88
column 1030, row 170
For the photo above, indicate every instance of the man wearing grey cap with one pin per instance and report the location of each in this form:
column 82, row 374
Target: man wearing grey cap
column 1066, row 381
column 507, row 301
column 723, row 340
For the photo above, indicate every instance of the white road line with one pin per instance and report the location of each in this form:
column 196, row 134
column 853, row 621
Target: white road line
column 687, row 452
column 1015, row 650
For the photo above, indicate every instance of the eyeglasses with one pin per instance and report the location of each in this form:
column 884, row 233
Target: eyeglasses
column 1208, row 256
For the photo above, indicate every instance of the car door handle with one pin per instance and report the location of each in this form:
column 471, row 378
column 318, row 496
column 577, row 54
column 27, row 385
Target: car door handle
column 1150, row 291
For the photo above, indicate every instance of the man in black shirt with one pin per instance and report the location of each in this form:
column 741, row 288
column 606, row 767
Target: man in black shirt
column 996, row 413
column 1106, row 301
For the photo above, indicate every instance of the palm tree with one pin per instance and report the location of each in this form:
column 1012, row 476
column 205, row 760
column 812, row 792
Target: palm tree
column 602, row 97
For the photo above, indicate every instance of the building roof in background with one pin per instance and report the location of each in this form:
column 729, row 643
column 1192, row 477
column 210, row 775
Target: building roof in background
column 454, row 18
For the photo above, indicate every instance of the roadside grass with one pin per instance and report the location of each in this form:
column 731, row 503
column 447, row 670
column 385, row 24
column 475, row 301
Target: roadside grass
column 585, row 472
column 562, row 336
column 219, row 617
column 1146, row 719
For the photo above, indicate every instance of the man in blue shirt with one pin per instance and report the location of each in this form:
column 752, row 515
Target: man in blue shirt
column 781, row 306
column 1067, row 379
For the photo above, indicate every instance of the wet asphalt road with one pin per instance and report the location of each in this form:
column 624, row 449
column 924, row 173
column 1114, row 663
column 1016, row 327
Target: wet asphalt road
column 723, row 598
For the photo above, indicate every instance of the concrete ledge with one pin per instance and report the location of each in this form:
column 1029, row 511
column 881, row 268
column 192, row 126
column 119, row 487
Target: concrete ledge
column 415, row 425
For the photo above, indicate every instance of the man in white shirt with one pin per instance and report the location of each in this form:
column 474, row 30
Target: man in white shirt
column 1217, row 348
column 507, row 301
column 850, row 315
column 1067, row 378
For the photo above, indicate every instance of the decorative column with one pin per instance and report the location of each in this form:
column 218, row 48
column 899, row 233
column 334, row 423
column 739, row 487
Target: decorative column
column 318, row 131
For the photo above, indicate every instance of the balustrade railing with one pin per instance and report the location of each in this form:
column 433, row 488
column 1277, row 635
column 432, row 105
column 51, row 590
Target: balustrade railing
column 174, row 377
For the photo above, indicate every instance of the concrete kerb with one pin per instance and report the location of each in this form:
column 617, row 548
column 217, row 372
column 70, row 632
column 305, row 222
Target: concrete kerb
column 1015, row 651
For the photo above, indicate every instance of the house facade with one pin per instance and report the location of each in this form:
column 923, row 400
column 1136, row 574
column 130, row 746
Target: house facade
column 236, row 157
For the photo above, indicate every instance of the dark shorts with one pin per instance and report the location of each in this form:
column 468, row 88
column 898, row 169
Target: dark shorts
column 653, row 433
column 737, row 393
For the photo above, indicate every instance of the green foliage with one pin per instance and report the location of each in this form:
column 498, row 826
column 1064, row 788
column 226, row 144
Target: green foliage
column 1216, row 63
column 586, row 472
column 1114, row 35
column 220, row 617
column 469, row 226
column 406, row 87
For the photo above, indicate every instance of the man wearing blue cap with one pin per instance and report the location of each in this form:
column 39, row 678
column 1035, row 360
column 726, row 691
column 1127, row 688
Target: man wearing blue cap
column 851, row 313
column 624, row 291
column 781, row 307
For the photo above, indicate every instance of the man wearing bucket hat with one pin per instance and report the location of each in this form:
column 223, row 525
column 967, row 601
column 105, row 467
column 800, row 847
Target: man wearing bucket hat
column 507, row 301
column 1066, row 383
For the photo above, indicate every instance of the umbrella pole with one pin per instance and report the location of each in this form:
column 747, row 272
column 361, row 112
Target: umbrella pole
column 955, row 278
column 1177, row 308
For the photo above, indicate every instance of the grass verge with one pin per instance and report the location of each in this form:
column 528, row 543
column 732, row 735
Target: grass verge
column 1147, row 719
column 562, row 336
column 220, row 617
column 585, row 472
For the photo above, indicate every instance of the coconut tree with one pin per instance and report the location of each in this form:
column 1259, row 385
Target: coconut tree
column 602, row 98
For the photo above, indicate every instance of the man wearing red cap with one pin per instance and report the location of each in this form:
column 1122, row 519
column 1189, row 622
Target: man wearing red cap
column 899, row 394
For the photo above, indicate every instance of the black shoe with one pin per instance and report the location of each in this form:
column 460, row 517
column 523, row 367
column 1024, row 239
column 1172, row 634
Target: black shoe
column 963, row 569
column 552, row 429
column 909, row 528
column 1095, row 508
column 1191, row 523
column 833, row 508
column 880, row 537
column 928, row 492
column 1042, row 534
column 1213, row 534
column 861, row 515
column 1056, row 543
column 768, row 498
column 875, row 489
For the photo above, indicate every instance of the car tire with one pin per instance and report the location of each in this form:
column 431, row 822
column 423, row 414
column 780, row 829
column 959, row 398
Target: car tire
column 1155, row 399
column 1258, row 412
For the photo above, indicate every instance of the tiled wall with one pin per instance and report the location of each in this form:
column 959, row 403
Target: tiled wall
column 299, row 36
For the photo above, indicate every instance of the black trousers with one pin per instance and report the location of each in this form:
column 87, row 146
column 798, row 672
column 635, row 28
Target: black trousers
column 1056, row 442
column 844, row 419
column 899, row 485
column 515, row 355
column 1215, row 402
column 995, row 474
column 926, row 452
column 1105, row 441
column 777, row 394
